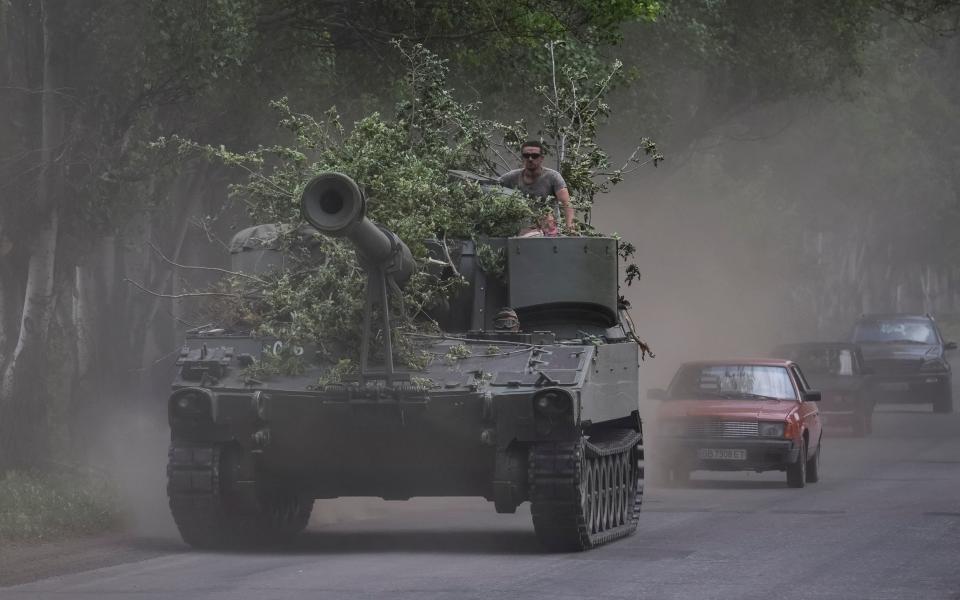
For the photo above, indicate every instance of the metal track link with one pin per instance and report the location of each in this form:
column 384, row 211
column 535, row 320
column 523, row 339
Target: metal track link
column 211, row 513
column 586, row 493
column 193, row 490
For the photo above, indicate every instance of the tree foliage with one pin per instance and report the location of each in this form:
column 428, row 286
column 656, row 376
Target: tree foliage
column 403, row 163
column 125, row 73
column 851, row 206
column 575, row 107
column 702, row 63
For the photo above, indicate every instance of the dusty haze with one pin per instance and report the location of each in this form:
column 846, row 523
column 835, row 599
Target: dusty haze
column 781, row 224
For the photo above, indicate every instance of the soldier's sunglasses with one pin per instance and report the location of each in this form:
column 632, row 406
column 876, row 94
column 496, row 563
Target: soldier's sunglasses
column 530, row 155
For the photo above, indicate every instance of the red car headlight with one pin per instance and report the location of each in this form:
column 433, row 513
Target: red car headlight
column 772, row 429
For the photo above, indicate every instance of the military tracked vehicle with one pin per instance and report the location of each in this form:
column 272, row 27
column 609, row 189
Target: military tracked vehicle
column 532, row 395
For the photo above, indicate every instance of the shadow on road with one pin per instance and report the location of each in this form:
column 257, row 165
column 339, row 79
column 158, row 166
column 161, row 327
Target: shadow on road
column 456, row 542
column 733, row 484
column 156, row 544
column 375, row 542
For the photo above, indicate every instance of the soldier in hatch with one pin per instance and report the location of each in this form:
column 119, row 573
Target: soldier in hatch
column 541, row 182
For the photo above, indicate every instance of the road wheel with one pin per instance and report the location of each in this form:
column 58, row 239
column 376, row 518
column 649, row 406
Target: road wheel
column 586, row 493
column 208, row 511
column 797, row 472
column 813, row 465
column 281, row 517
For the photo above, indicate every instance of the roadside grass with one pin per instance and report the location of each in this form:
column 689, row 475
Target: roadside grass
column 50, row 506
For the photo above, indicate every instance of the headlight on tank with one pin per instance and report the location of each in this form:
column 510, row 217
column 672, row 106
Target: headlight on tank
column 190, row 404
column 553, row 402
column 772, row 429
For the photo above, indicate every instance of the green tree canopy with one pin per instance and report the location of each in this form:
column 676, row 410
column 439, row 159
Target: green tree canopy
column 403, row 163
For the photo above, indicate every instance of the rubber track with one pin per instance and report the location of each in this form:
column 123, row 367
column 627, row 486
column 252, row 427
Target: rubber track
column 556, row 482
column 193, row 489
column 206, row 519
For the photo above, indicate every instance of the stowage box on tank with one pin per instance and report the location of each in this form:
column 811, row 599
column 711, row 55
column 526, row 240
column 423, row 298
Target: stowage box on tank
column 538, row 403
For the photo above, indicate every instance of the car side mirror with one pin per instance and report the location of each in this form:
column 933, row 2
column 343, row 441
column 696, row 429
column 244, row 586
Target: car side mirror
column 812, row 396
column 950, row 346
column 657, row 394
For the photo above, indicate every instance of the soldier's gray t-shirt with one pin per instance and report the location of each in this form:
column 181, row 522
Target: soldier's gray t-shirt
column 548, row 184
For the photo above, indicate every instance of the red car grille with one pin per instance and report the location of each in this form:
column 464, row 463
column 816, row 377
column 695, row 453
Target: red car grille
column 723, row 429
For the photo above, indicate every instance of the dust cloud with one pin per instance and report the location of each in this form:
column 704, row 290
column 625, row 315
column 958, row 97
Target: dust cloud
column 782, row 228
column 132, row 444
column 784, row 235
column 702, row 294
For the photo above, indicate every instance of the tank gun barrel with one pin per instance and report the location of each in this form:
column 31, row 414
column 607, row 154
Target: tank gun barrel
column 333, row 203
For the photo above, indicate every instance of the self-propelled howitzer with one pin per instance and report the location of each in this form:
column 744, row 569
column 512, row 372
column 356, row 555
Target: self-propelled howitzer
column 538, row 402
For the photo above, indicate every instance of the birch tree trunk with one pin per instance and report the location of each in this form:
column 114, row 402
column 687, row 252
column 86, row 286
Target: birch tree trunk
column 60, row 367
column 185, row 202
column 20, row 410
column 6, row 308
column 83, row 320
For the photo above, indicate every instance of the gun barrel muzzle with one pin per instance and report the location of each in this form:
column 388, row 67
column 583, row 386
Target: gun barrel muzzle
column 335, row 205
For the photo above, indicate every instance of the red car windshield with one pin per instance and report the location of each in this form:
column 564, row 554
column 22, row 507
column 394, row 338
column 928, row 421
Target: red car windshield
column 751, row 382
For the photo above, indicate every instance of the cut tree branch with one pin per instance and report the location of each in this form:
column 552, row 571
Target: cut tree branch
column 184, row 295
column 214, row 269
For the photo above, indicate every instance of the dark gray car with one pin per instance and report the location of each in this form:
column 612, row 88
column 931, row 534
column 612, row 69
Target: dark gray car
column 906, row 354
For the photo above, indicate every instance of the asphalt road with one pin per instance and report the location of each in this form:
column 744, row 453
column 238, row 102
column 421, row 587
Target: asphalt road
column 883, row 523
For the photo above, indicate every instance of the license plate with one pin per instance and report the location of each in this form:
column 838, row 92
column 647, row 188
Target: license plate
column 895, row 386
column 721, row 454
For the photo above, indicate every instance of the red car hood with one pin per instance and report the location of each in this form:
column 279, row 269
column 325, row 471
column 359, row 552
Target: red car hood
column 766, row 410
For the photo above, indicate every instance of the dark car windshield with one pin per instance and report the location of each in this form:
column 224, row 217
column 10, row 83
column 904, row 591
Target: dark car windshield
column 895, row 330
column 751, row 382
column 819, row 360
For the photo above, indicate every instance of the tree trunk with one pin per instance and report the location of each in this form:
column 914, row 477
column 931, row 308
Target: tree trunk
column 20, row 414
column 6, row 308
column 60, row 375
column 83, row 320
column 185, row 202
column 926, row 287
column 21, row 411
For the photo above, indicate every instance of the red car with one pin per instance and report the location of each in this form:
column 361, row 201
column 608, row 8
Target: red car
column 739, row 415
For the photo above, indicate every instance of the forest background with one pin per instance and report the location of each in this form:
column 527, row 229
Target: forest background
column 811, row 174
